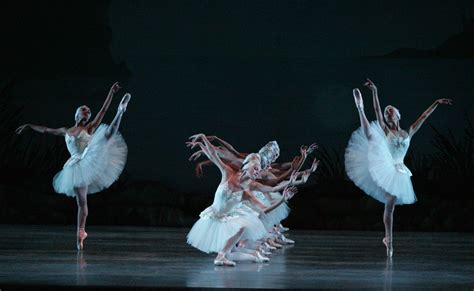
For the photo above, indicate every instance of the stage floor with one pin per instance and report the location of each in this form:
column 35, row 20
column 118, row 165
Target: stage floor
column 159, row 257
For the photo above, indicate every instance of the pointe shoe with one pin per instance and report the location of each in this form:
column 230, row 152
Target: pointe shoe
column 81, row 236
column 261, row 250
column 388, row 244
column 223, row 261
column 269, row 247
column 283, row 229
column 275, row 244
column 358, row 99
column 285, row 241
column 275, row 230
column 123, row 104
column 259, row 258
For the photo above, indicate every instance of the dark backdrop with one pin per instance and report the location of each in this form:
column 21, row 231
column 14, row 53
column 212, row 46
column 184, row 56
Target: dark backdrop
column 250, row 72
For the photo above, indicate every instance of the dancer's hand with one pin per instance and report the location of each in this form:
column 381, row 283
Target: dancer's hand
column 115, row 88
column 20, row 129
column 193, row 144
column 199, row 171
column 371, row 85
column 303, row 151
column 195, row 137
column 312, row 148
column 314, row 166
column 444, row 101
column 196, row 155
column 289, row 192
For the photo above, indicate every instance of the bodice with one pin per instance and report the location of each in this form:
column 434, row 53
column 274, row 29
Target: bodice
column 398, row 146
column 225, row 200
column 77, row 144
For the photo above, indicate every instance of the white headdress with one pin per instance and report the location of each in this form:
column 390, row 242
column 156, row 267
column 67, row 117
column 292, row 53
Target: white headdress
column 385, row 112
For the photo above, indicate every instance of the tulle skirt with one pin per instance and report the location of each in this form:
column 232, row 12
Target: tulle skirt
column 275, row 217
column 370, row 166
column 97, row 167
column 212, row 231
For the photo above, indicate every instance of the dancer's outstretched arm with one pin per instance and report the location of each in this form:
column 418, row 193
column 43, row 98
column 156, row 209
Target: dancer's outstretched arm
column 92, row 126
column 276, row 178
column 272, row 178
column 287, row 194
column 199, row 170
column 419, row 122
column 227, row 146
column 42, row 129
column 210, row 151
column 225, row 156
column 304, row 152
column 378, row 110
column 256, row 186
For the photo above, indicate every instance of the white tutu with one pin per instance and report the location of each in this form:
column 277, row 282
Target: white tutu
column 211, row 232
column 95, row 162
column 278, row 214
column 376, row 165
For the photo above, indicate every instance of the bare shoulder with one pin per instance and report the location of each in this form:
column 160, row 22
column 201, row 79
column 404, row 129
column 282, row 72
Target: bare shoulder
column 73, row 131
column 399, row 133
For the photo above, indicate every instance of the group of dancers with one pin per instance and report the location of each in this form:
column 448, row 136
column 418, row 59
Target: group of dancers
column 244, row 222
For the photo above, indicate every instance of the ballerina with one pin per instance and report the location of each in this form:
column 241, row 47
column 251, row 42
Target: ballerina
column 227, row 221
column 98, row 155
column 375, row 153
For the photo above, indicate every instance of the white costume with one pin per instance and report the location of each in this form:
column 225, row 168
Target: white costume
column 95, row 162
column 222, row 220
column 376, row 165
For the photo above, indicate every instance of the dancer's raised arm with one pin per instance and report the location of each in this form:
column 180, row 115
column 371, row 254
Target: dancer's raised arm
column 377, row 108
column 256, row 186
column 227, row 146
column 42, row 129
column 419, row 122
column 304, row 152
column 225, row 155
column 287, row 194
column 92, row 126
column 273, row 178
column 210, row 151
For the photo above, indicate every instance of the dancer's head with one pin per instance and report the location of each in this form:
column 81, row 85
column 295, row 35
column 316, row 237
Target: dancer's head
column 392, row 116
column 269, row 154
column 251, row 166
column 83, row 113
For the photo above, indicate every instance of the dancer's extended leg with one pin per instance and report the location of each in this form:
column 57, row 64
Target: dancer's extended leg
column 221, row 259
column 364, row 123
column 114, row 126
column 82, row 212
column 388, row 222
